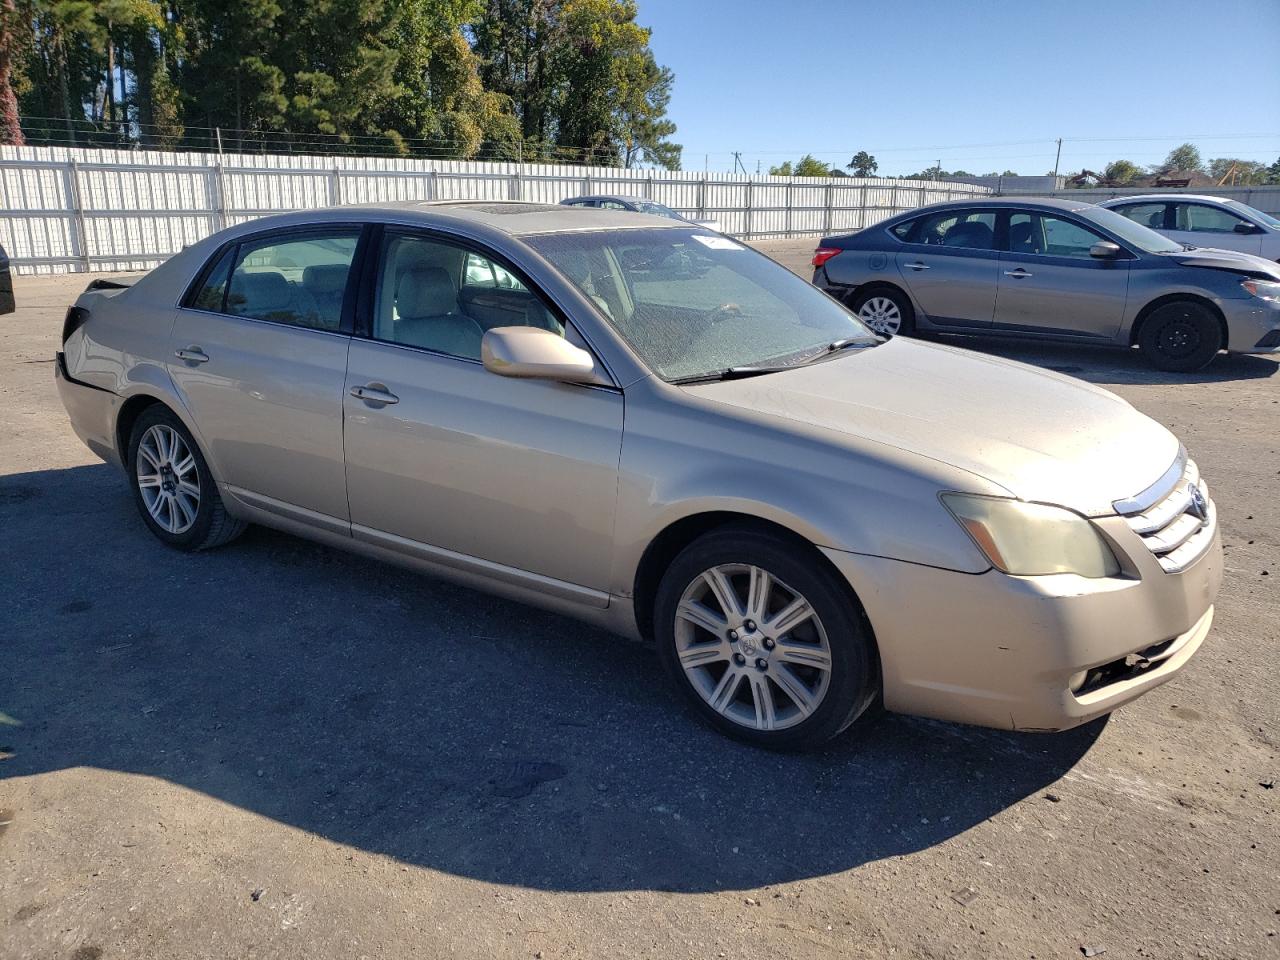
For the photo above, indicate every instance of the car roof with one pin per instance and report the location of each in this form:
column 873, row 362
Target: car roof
column 1156, row 197
column 625, row 197
column 1038, row 203
column 512, row 217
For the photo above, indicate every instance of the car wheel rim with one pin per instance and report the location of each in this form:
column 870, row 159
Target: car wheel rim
column 168, row 479
column 752, row 647
column 1179, row 339
column 882, row 315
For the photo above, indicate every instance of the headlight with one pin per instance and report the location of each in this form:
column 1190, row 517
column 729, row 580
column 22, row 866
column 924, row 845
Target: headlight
column 1263, row 289
column 1028, row 539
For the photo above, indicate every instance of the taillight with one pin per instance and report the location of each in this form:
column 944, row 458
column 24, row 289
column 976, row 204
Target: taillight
column 75, row 319
column 823, row 254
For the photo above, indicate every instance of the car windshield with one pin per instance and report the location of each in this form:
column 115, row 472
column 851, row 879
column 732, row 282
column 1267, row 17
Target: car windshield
column 657, row 209
column 693, row 304
column 1266, row 218
column 1136, row 234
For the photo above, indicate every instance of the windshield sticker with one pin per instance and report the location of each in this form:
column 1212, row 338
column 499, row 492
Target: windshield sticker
column 718, row 243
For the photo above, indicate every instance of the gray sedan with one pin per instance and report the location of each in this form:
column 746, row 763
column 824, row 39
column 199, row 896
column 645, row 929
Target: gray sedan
column 1053, row 269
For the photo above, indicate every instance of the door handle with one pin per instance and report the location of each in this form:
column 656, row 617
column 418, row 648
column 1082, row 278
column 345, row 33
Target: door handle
column 1018, row 274
column 918, row 265
column 374, row 393
column 192, row 354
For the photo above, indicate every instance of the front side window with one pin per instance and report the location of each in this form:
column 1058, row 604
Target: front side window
column 614, row 205
column 442, row 297
column 1046, row 235
column 1148, row 214
column 694, row 304
column 299, row 280
column 1202, row 218
column 967, row 229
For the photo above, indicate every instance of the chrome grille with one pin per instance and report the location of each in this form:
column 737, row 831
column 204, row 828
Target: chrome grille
column 1174, row 517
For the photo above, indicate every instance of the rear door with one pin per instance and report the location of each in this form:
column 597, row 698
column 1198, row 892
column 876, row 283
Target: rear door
column 1211, row 225
column 1050, row 284
column 951, row 266
column 259, row 354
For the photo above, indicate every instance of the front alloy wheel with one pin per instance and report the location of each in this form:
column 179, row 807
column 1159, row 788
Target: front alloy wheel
column 752, row 647
column 765, row 638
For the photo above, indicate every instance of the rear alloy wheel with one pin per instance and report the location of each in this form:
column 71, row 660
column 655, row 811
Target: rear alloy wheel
column 887, row 312
column 767, row 645
column 1181, row 337
column 173, row 487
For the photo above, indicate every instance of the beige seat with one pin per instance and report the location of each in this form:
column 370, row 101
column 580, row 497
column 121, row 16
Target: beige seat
column 427, row 304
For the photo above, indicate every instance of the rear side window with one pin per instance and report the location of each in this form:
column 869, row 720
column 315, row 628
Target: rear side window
column 212, row 292
column 902, row 230
column 965, row 229
column 1148, row 214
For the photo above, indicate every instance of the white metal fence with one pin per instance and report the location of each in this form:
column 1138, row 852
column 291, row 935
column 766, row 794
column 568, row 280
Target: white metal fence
column 70, row 210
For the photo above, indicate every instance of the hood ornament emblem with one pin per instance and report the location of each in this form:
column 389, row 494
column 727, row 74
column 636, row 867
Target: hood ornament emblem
column 1199, row 506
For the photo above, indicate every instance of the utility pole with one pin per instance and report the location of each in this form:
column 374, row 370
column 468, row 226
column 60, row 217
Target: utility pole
column 737, row 162
column 1057, row 158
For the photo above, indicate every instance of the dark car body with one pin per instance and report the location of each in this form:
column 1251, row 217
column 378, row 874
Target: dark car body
column 6, row 285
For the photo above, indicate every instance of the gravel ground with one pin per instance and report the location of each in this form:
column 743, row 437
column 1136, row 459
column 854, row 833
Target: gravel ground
column 278, row 750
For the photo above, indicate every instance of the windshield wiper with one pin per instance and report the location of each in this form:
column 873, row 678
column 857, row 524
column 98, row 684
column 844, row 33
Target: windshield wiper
column 742, row 373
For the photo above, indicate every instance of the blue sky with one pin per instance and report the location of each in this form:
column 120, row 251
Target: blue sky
column 979, row 85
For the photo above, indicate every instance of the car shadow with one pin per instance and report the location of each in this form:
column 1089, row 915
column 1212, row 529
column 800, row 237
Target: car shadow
column 437, row 725
column 1108, row 365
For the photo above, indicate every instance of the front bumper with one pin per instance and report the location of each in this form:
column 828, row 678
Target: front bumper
column 92, row 411
column 1253, row 325
column 1000, row 651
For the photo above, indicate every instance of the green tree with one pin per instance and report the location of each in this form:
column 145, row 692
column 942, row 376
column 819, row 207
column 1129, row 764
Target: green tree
column 1233, row 171
column 783, row 169
column 12, row 35
column 1273, row 173
column 863, row 164
column 809, row 166
column 1185, row 158
column 1122, row 172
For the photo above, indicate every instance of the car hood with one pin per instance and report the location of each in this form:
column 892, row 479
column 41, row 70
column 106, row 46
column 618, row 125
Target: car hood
column 1039, row 435
column 1227, row 260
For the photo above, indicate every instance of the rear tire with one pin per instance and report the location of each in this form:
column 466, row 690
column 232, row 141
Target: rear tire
column 1181, row 337
column 766, row 642
column 887, row 311
column 172, row 486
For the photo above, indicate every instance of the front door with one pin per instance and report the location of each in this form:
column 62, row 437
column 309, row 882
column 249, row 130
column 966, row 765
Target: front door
column 515, row 479
column 951, row 265
column 1050, row 284
column 258, row 355
column 1209, row 225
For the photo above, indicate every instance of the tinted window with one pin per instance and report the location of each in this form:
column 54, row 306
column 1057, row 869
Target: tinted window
column 691, row 303
column 614, row 205
column 298, row 280
column 903, row 229
column 1201, row 218
column 967, row 229
column 1041, row 234
column 1148, row 214
column 213, row 289
column 442, row 297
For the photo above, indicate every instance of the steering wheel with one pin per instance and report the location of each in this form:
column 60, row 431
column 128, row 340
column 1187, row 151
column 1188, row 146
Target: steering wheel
column 725, row 311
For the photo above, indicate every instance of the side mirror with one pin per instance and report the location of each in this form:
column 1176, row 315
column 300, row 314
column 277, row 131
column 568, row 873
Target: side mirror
column 1246, row 228
column 1105, row 250
column 535, row 354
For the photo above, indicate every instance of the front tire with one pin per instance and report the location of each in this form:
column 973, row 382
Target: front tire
column 1180, row 337
column 767, row 643
column 172, row 486
column 885, row 310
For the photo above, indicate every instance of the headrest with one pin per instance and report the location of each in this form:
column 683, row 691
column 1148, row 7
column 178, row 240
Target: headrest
column 971, row 234
column 325, row 278
column 426, row 292
column 260, row 292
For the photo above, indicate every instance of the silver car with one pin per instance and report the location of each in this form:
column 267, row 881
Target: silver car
column 1204, row 221
column 615, row 201
column 1053, row 269
column 660, row 431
